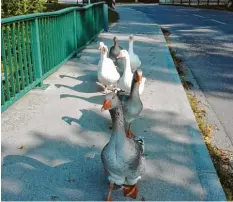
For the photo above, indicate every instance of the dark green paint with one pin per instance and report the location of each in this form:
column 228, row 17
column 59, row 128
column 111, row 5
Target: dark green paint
column 38, row 44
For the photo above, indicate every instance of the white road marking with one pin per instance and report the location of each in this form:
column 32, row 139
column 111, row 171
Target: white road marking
column 181, row 12
column 198, row 16
column 218, row 21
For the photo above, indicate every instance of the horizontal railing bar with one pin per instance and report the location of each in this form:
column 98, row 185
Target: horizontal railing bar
column 44, row 37
column 47, row 14
column 37, row 81
column 19, row 95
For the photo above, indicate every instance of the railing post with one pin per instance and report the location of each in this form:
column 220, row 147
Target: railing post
column 190, row 2
column 105, row 9
column 75, row 30
column 36, row 51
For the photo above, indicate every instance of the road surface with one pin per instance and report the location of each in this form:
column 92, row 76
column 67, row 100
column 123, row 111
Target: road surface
column 204, row 38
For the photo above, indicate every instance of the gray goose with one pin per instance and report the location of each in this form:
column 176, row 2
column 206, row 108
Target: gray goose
column 132, row 104
column 114, row 52
column 122, row 157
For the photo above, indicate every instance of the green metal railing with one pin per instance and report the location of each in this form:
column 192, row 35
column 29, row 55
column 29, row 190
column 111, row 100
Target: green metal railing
column 35, row 45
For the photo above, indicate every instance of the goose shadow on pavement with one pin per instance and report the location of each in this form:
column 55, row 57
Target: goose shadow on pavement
column 62, row 168
column 84, row 87
column 89, row 120
column 98, row 99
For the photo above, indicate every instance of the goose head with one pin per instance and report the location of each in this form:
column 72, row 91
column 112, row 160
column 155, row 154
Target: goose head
column 115, row 40
column 123, row 54
column 131, row 38
column 104, row 51
column 137, row 76
column 101, row 45
column 111, row 101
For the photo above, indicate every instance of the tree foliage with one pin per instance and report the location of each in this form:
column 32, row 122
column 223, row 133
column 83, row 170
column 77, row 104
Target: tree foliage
column 21, row 7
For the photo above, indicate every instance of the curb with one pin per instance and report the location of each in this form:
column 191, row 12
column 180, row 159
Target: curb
column 206, row 171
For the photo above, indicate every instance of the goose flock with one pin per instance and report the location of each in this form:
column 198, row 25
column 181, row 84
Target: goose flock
column 122, row 157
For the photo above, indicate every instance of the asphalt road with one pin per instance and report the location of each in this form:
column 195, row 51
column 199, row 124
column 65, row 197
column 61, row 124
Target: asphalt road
column 205, row 40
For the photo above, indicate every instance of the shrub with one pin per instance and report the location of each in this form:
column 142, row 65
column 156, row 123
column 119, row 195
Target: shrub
column 21, row 7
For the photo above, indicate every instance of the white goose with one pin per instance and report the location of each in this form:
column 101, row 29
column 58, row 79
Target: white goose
column 101, row 45
column 126, row 80
column 134, row 59
column 107, row 73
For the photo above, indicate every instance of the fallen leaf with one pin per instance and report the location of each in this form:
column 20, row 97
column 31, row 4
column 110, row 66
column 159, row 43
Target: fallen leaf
column 71, row 180
column 22, row 147
column 54, row 198
column 90, row 155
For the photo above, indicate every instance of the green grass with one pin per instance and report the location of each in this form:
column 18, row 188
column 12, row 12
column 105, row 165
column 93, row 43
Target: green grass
column 49, row 7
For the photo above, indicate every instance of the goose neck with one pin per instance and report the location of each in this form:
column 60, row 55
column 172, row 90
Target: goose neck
column 131, row 47
column 118, row 129
column 117, row 119
column 101, row 56
column 104, row 55
column 115, row 43
column 134, row 92
column 127, row 63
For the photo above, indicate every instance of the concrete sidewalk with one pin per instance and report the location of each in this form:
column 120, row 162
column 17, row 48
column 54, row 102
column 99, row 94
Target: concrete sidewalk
column 52, row 139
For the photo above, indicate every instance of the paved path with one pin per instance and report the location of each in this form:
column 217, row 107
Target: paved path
column 52, row 139
column 204, row 39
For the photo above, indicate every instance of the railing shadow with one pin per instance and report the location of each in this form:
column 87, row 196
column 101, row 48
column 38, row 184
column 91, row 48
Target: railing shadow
column 62, row 168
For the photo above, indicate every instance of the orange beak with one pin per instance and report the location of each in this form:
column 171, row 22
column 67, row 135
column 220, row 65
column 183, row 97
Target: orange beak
column 139, row 77
column 106, row 105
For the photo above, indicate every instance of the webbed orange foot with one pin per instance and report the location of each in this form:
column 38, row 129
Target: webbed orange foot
column 131, row 191
column 129, row 134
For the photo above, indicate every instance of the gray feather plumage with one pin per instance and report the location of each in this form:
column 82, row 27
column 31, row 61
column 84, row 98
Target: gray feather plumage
column 122, row 157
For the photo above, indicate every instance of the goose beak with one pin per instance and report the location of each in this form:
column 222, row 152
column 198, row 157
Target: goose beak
column 131, row 37
column 139, row 77
column 99, row 47
column 119, row 56
column 106, row 105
